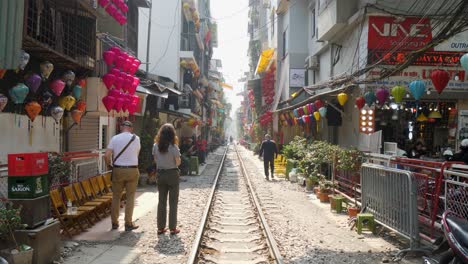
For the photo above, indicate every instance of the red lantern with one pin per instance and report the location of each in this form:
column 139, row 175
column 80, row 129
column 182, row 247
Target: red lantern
column 318, row 104
column 76, row 115
column 81, row 105
column 440, row 79
column 360, row 102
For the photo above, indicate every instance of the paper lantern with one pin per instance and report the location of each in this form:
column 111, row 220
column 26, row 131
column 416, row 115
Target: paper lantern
column 382, row 95
column 3, row 102
column 76, row 92
column 76, row 115
column 132, row 108
column 317, row 115
column 464, row 62
column 342, row 98
column 108, row 80
column 46, row 100
column 398, row 92
column 296, row 113
column 310, row 108
column 82, row 82
column 370, row 98
column 33, row 82
column 23, row 60
column 18, row 93
column 103, row 3
column 422, row 118
column 115, row 93
column 108, row 102
column 46, row 69
column 136, row 82
column 300, row 111
column 68, row 77
column 318, row 104
column 57, row 87
column 360, row 102
column 119, row 102
column 111, row 10
column 119, row 61
column 440, row 79
column 417, row 89
column 323, row 111
column 305, row 110
column 109, row 57
column 118, row 83
column 67, row 102
column 32, row 109
column 56, row 112
column 81, row 105
column 133, row 69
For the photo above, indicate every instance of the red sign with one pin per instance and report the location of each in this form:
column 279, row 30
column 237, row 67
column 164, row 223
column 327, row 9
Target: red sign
column 432, row 58
column 388, row 33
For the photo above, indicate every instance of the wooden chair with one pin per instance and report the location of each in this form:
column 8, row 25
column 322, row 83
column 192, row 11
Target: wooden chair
column 108, row 183
column 99, row 190
column 102, row 186
column 90, row 194
column 71, row 223
column 91, row 210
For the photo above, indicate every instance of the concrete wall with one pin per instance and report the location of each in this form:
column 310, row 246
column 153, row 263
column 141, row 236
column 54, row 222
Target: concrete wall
column 15, row 135
column 165, row 38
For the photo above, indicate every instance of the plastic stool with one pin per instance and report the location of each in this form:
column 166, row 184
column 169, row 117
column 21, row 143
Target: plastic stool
column 339, row 204
column 366, row 221
column 193, row 165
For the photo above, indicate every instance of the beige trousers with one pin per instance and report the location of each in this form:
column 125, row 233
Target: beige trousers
column 124, row 179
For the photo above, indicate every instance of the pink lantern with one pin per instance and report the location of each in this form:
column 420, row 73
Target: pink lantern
column 123, row 7
column 103, row 3
column 108, row 80
column 57, row 87
column 382, row 95
column 133, row 69
column 119, row 61
column 109, row 57
column 117, row 2
column 126, row 104
column 131, row 58
column 116, row 50
column 128, row 83
column 127, row 65
column 115, row 93
column 111, row 10
column 137, row 62
column 109, row 102
column 135, row 99
column 132, row 108
column 115, row 72
column 119, row 102
column 119, row 81
column 136, row 82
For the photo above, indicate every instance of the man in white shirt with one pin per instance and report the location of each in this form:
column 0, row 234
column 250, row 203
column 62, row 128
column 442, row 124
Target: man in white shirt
column 125, row 172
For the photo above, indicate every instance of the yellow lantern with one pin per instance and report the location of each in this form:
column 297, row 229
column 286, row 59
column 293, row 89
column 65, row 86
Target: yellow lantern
column 183, row 64
column 186, row 6
column 317, row 116
column 342, row 98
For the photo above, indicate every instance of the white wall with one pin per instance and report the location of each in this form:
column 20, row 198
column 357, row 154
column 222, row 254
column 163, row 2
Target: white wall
column 165, row 38
column 15, row 135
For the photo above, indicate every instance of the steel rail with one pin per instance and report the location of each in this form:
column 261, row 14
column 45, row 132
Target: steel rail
column 198, row 237
column 269, row 235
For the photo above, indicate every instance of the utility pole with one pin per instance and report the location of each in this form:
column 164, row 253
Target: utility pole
column 149, row 38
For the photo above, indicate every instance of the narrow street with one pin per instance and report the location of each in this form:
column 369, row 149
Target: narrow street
column 305, row 230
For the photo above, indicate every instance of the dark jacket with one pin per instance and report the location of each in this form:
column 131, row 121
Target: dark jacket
column 268, row 149
column 460, row 156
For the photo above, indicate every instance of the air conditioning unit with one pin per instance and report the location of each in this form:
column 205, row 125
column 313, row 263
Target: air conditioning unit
column 312, row 63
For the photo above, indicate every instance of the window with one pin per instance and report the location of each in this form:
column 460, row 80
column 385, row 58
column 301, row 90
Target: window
column 312, row 23
column 285, row 43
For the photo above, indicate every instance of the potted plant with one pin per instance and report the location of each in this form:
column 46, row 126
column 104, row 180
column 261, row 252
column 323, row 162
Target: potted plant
column 351, row 160
column 311, row 181
column 325, row 189
column 10, row 221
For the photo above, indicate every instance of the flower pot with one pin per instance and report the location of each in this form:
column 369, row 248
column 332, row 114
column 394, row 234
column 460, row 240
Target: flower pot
column 309, row 185
column 18, row 257
column 332, row 202
column 353, row 211
column 318, row 193
column 324, row 197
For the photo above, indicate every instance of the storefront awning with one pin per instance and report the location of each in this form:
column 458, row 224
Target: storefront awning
column 164, row 88
column 264, row 60
column 149, row 91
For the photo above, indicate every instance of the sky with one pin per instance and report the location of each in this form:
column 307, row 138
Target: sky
column 232, row 19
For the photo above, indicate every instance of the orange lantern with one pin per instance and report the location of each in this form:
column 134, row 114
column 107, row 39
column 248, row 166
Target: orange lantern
column 32, row 108
column 76, row 115
column 81, row 105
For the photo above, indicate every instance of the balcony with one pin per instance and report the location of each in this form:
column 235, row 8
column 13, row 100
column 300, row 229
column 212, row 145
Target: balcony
column 61, row 31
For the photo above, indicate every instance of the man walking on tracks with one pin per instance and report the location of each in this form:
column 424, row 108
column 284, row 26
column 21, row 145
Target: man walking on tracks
column 124, row 149
column 268, row 149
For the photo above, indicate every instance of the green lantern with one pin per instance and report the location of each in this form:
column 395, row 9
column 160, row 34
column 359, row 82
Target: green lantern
column 398, row 92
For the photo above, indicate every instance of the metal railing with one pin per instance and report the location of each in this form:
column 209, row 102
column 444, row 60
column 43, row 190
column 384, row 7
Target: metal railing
column 455, row 196
column 390, row 195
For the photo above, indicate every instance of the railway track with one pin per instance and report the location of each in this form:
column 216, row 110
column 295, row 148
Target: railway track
column 233, row 228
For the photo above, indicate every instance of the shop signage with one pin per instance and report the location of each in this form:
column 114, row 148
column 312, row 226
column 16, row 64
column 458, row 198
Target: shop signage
column 408, row 34
column 417, row 73
column 432, row 58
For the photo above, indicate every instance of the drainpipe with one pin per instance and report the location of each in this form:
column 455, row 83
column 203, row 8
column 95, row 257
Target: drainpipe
column 148, row 41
